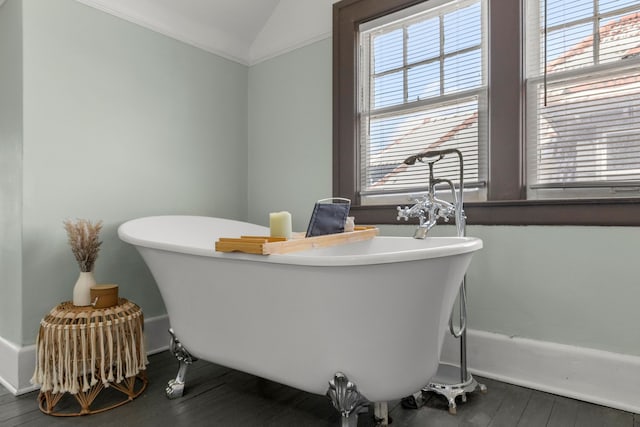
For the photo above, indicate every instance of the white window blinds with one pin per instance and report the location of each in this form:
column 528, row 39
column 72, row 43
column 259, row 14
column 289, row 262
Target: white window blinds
column 583, row 97
column 422, row 87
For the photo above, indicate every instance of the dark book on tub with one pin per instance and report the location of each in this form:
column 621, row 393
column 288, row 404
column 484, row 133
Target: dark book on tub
column 328, row 217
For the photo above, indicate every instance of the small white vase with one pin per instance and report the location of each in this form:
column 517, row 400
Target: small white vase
column 82, row 289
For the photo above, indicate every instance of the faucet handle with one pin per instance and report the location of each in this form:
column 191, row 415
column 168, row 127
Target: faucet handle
column 403, row 213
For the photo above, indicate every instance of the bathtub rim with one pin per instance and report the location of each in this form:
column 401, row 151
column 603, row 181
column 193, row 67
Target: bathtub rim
column 461, row 245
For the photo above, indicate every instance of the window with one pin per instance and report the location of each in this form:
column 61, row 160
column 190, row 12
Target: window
column 422, row 87
column 511, row 99
column 583, row 92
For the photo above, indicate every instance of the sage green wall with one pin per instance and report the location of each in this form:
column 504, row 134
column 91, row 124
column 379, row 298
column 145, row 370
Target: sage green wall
column 10, row 168
column 290, row 134
column 119, row 122
column 570, row 285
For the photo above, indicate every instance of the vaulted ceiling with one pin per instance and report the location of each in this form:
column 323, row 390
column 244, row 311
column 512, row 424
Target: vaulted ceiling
column 225, row 27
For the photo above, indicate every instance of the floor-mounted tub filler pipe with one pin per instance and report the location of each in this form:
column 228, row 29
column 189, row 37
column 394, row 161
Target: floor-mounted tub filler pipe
column 450, row 380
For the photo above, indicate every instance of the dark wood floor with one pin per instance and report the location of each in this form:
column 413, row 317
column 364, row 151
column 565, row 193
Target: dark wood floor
column 217, row 396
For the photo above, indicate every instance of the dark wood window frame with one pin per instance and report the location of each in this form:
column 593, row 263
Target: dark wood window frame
column 506, row 203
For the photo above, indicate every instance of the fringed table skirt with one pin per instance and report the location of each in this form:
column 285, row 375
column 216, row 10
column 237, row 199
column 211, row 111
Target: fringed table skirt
column 86, row 353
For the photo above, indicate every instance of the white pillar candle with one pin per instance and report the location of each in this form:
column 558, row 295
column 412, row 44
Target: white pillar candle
column 280, row 224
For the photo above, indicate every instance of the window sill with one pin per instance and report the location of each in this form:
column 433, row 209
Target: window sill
column 601, row 212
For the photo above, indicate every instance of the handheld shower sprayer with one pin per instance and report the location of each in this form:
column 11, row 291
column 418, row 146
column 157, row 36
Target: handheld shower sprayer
column 411, row 160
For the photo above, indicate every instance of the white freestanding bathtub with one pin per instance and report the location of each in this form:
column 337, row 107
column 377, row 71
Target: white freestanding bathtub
column 375, row 311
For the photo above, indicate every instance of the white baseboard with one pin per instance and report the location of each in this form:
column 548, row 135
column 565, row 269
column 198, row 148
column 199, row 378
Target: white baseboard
column 156, row 333
column 17, row 363
column 595, row 376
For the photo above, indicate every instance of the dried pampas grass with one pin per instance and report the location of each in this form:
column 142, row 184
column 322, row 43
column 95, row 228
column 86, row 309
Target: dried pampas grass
column 83, row 239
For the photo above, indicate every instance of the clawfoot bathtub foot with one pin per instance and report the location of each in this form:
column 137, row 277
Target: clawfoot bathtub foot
column 345, row 397
column 175, row 387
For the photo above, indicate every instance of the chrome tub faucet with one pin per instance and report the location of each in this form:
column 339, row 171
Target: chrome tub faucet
column 428, row 208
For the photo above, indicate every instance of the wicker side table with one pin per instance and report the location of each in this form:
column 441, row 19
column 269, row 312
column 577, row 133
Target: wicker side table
column 82, row 352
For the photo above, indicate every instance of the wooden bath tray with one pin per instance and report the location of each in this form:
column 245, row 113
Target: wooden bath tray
column 264, row 245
